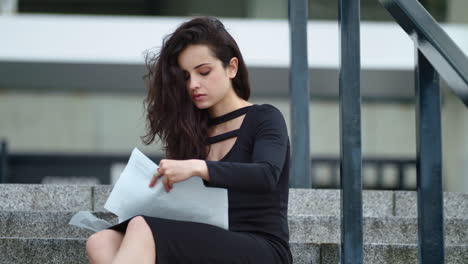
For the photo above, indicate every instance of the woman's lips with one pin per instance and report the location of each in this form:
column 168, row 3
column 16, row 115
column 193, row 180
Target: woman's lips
column 199, row 97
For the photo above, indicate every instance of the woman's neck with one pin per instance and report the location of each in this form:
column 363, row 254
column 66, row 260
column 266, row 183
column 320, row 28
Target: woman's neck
column 227, row 105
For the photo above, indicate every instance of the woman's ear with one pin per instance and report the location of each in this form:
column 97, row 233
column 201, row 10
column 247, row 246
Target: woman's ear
column 232, row 67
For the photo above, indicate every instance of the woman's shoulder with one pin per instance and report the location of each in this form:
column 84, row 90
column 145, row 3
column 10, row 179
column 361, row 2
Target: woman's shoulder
column 267, row 115
column 267, row 111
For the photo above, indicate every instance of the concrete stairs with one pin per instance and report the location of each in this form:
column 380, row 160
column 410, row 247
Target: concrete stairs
column 34, row 224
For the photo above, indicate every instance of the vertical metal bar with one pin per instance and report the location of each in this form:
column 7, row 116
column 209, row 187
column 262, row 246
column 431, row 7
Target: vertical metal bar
column 299, row 89
column 350, row 133
column 429, row 163
column 3, row 162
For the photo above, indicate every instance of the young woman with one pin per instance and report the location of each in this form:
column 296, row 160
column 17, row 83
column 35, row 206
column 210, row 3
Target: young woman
column 197, row 105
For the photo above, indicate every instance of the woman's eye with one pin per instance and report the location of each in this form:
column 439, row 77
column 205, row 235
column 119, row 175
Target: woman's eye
column 205, row 73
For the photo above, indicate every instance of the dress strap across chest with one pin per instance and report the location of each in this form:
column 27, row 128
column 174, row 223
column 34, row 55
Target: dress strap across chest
column 223, row 136
column 229, row 116
column 224, row 118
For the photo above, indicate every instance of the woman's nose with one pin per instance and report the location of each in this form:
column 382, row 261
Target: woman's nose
column 193, row 83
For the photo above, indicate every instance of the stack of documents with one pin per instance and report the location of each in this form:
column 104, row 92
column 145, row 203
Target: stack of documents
column 189, row 200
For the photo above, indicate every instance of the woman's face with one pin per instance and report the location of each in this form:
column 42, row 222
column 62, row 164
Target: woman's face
column 208, row 82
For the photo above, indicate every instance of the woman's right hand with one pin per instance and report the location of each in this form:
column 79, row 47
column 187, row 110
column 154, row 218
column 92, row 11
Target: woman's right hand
column 178, row 170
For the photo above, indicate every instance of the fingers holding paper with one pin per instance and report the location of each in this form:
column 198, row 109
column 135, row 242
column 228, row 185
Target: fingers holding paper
column 173, row 171
column 154, row 179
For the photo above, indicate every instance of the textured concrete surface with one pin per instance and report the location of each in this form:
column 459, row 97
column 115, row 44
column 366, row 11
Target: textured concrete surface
column 403, row 254
column 44, row 224
column 456, row 254
column 392, row 230
column 100, row 194
column 43, row 212
column 456, row 231
column 42, row 250
column 301, row 201
column 305, row 253
column 327, row 202
column 377, row 203
column 45, row 197
column 330, row 253
column 392, row 254
column 455, row 204
column 309, row 229
column 314, row 229
column 35, row 250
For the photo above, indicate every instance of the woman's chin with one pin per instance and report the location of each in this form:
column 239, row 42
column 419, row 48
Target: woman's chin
column 202, row 105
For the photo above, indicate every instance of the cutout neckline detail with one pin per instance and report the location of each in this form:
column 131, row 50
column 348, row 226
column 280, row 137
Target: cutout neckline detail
column 224, row 118
column 229, row 116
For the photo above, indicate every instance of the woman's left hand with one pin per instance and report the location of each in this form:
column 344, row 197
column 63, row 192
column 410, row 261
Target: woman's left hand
column 173, row 171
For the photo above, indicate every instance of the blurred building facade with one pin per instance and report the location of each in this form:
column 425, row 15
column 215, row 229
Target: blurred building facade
column 63, row 101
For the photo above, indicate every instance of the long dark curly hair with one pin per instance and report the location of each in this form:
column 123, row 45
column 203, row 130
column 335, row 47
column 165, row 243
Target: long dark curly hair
column 170, row 113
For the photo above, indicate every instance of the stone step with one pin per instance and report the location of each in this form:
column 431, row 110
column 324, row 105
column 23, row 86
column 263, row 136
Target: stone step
column 25, row 197
column 45, row 224
column 72, row 250
column 303, row 228
column 393, row 230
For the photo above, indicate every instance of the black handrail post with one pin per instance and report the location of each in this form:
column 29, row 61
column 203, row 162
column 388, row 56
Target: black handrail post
column 3, row 162
column 429, row 163
column 299, row 89
column 446, row 57
column 350, row 133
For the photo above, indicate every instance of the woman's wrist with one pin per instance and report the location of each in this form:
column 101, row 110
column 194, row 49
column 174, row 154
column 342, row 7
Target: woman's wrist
column 200, row 169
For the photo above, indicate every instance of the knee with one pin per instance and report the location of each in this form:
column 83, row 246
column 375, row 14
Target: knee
column 99, row 241
column 138, row 228
column 138, row 224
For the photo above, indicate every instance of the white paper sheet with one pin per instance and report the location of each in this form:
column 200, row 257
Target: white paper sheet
column 189, row 200
column 85, row 219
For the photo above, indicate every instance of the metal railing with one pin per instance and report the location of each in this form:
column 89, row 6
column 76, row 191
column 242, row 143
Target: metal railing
column 350, row 118
column 435, row 53
column 299, row 91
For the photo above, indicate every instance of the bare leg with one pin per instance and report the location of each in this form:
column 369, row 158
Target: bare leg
column 138, row 244
column 103, row 246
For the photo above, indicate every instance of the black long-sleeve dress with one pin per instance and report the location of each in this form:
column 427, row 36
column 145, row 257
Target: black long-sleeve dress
column 256, row 173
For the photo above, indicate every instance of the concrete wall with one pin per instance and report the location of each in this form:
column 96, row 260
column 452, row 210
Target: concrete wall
column 455, row 143
column 8, row 7
column 456, row 12
column 71, row 122
column 105, row 123
column 113, row 123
